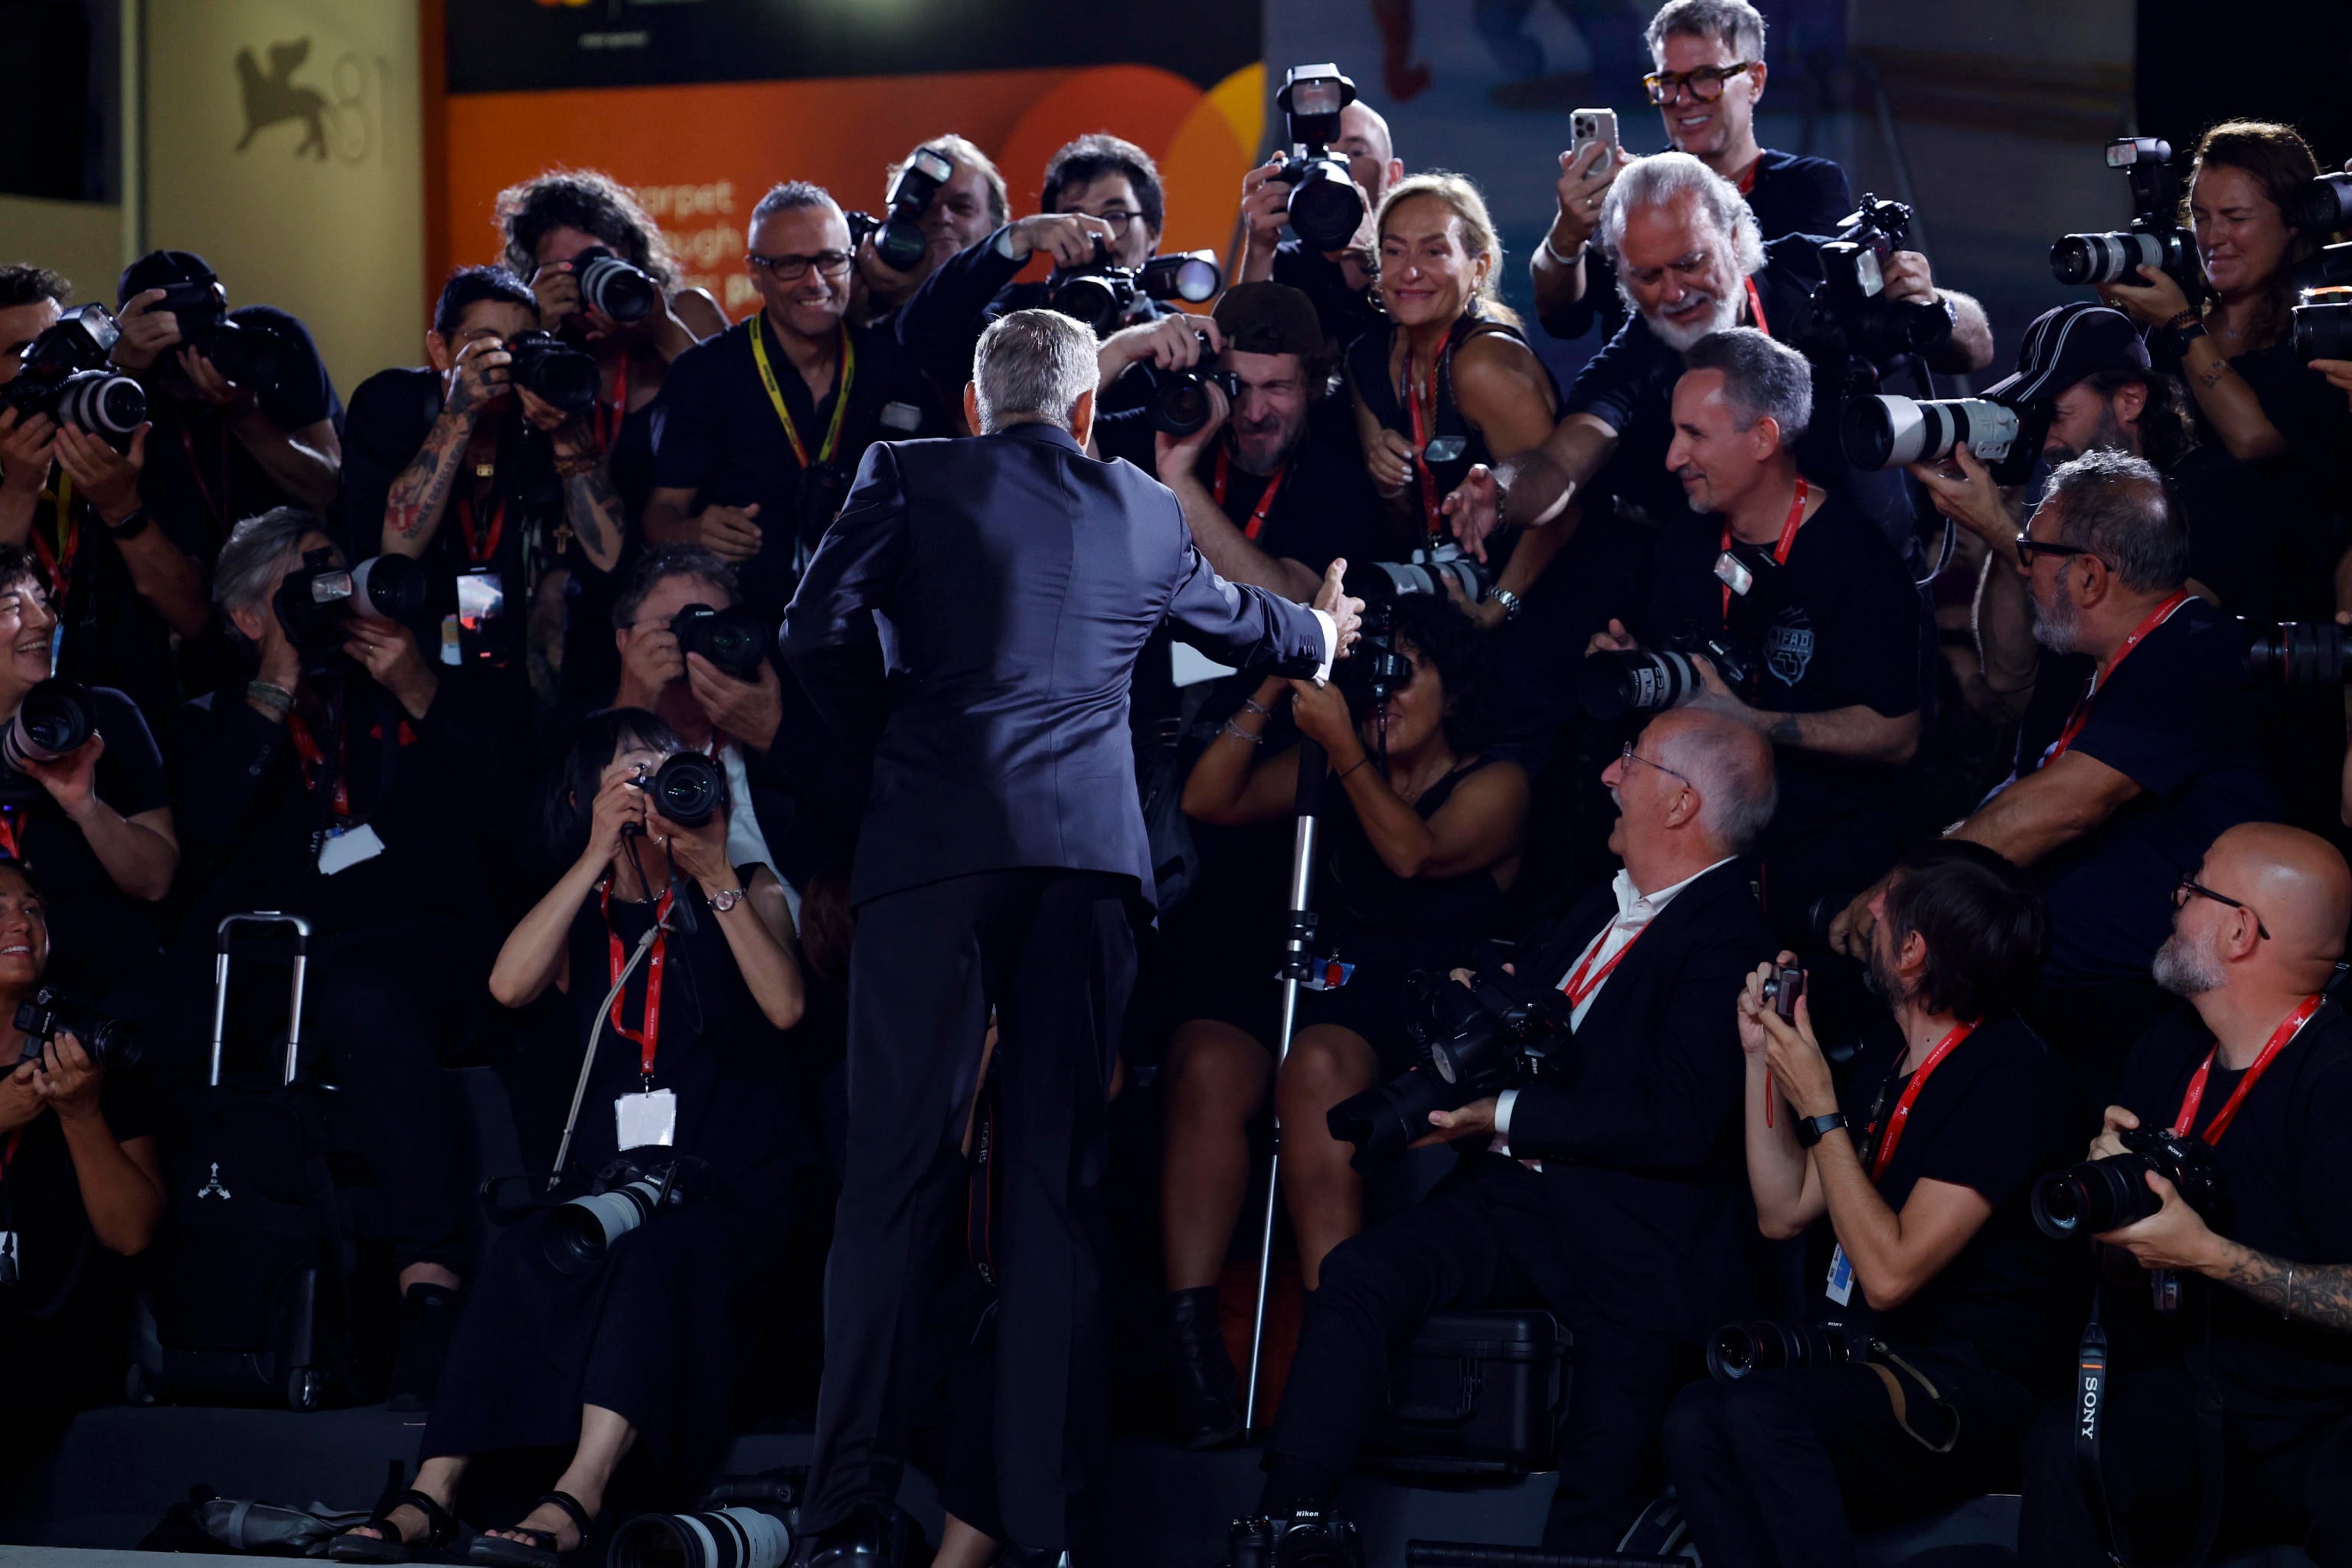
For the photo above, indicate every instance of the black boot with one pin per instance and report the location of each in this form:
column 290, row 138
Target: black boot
column 1207, row 1412
column 428, row 1316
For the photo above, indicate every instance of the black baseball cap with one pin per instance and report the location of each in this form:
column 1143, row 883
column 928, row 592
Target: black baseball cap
column 2064, row 346
column 1269, row 319
column 160, row 269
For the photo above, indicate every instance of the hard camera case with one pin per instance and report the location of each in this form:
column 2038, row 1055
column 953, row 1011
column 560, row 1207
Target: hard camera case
column 1475, row 1393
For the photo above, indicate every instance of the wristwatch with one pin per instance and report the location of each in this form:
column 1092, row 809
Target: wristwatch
column 1811, row 1130
column 2179, row 331
column 727, row 900
column 132, row 526
column 1512, row 603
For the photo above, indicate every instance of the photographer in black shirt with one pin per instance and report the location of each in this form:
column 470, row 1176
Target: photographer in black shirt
column 2226, row 1418
column 1936, row 1253
column 970, row 206
column 1340, row 283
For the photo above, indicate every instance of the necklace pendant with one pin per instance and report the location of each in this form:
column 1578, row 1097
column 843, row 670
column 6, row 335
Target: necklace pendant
column 485, row 470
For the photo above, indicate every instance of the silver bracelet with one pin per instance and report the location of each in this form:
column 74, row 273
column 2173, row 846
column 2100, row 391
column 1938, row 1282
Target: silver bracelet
column 271, row 695
column 2290, row 1292
column 1253, row 707
column 1238, row 734
column 1553, row 251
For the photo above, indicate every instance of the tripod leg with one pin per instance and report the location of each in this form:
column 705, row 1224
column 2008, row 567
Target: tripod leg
column 1302, row 872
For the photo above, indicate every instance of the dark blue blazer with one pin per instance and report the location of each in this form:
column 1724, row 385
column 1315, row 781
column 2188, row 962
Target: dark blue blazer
column 974, row 615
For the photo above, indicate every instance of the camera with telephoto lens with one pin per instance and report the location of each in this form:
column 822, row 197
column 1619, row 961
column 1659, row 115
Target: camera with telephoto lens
column 735, row 639
column 1615, row 682
column 687, row 787
column 2154, row 236
column 2099, row 1195
column 55, row 718
column 1425, row 572
column 2298, row 653
column 1854, row 321
column 741, row 1522
column 1308, row 1538
column 245, row 353
column 620, row 289
column 1101, row 292
column 898, row 234
column 1888, row 432
column 318, row 601
column 2322, row 206
column 2322, row 323
column 1183, row 405
column 2331, row 267
column 553, row 371
column 1474, row 1040
column 65, row 376
column 1737, row 1349
column 111, row 1042
column 580, row 1233
column 1326, row 206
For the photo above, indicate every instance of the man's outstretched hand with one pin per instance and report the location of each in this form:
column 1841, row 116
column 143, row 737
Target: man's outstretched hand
column 1347, row 614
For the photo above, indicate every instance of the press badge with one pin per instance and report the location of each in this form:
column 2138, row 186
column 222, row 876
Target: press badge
column 1329, row 974
column 347, row 847
column 646, row 1120
column 1733, row 574
column 1841, row 1284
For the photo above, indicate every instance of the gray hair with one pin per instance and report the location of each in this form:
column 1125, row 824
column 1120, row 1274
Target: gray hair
column 257, row 554
column 965, row 153
column 1732, row 771
column 1032, row 366
column 1661, row 177
column 2116, row 506
column 792, row 196
column 1734, row 23
column 1762, row 378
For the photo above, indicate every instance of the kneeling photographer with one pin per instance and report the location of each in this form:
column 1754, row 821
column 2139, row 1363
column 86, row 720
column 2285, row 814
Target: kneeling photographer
column 602, row 1323
column 1912, row 1373
column 1601, row 1184
column 2225, row 1415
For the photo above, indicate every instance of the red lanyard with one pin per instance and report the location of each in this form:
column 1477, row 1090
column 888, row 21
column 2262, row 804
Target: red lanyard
column 1900, row 1117
column 1582, row 981
column 2221, row 1119
column 307, row 747
column 479, row 549
column 1756, row 306
column 1264, row 501
column 1780, row 551
column 649, row 1038
column 2082, row 714
column 58, row 562
column 1413, row 402
column 608, row 437
column 8, row 845
column 8, row 1155
column 217, row 506
column 1747, row 178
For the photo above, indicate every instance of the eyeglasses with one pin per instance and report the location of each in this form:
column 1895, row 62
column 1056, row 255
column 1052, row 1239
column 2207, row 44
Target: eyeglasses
column 1630, row 755
column 792, row 269
column 2028, row 547
column 1118, row 218
column 1706, row 84
column 2189, row 887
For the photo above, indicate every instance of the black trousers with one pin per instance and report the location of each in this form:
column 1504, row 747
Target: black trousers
column 1055, row 952
column 1778, row 1469
column 1487, row 1238
column 2287, row 1485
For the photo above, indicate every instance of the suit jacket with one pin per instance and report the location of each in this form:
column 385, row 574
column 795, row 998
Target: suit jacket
column 1638, row 1120
column 975, row 613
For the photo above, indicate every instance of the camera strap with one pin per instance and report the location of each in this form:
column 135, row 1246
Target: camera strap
column 608, row 430
column 2077, row 720
column 648, row 1038
column 2090, row 1411
column 759, row 331
column 1883, row 1155
column 1584, row 980
column 1265, row 498
column 2287, row 1030
column 58, row 561
column 1780, row 551
column 482, row 547
column 313, row 756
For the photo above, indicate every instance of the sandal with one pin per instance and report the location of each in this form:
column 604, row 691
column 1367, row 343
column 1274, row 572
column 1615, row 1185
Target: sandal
column 440, row 1529
column 540, row 1550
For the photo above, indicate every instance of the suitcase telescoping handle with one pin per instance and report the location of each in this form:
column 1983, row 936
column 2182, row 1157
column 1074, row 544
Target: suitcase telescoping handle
column 220, row 986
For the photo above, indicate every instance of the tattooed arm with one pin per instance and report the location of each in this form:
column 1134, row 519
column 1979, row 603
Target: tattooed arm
column 2177, row 1236
column 595, row 507
column 420, row 495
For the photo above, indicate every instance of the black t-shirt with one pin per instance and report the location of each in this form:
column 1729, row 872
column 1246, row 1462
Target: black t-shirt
column 97, row 932
column 1998, row 1113
column 2236, row 543
column 720, row 438
column 1836, row 627
column 63, row 1270
column 2286, row 1189
column 108, row 634
column 2172, row 718
column 1790, row 194
column 1325, row 507
column 1345, row 313
column 197, row 471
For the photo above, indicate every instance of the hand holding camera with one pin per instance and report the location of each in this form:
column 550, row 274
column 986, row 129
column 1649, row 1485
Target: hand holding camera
column 387, row 650
column 27, row 447
column 71, row 779
column 1972, row 497
column 749, row 709
column 1790, row 1051
column 620, row 809
column 107, row 479
column 481, row 375
column 2151, row 302
column 146, row 331
column 67, row 1079
column 1173, row 453
column 210, row 385
column 1388, row 456
column 1068, row 237
column 1265, row 205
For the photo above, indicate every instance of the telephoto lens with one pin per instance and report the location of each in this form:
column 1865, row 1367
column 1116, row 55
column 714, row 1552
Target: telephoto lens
column 2331, row 268
column 2322, row 206
column 2323, row 329
column 553, row 371
column 1192, row 276
column 388, row 588
column 1738, row 1349
column 2298, row 653
column 98, row 402
column 2111, row 257
column 580, row 1233
column 622, row 292
column 55, row 718
column 1888, row 432
column 721, row 1538
column 735, row 639
column 687, row 788
column 1384, row 581
column 111, row 1042
column 1612, row 684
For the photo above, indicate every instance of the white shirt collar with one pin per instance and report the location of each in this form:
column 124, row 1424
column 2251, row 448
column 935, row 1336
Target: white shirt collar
column 1644, row 906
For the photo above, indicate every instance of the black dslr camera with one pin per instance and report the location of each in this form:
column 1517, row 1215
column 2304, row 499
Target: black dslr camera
column 65, row 376
column 623, row 1196
column 735, row 639
column 897, row 234
column 1101, row 292
column 1651, row 680
column 111, row 1042
column 1854, row 321
column 1181, row 406
column 316, row 602
column 2153, row 238
column 2323, row 321
column 1325, row 206
column 248, row 355
column 552, row 369
column 623, row 291
column 2099, row 1195
column 1424, row 572
column 55, row 718
column 1305, row 1540
column 687, row 788
column 1474, row 1040
column 2298, row 653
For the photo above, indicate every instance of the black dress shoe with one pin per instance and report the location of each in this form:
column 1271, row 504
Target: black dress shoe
column 871, row 1537
column 1206, row 1406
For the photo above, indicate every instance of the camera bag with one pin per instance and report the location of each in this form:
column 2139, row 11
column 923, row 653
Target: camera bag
column 1475, row 1394
column 249, row 1299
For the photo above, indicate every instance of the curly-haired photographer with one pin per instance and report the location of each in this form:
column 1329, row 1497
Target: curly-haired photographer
column 1422, row 840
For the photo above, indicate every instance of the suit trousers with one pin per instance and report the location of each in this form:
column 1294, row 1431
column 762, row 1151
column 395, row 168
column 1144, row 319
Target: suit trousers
column 1485, row 1238
column 1053, row 952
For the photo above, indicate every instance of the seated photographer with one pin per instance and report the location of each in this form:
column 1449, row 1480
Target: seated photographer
column 2130, row 759
column 627, row 1344
column 351, row 784
column 958, row 215
column 93, row 822
column 1926, row 1203
column 1819, row 612
column 83, row 1190
column 1709, row 77
column 1423, row 842
column 767, row 421
column 1610, row 1194
column 1277, row 502
column 1102, row 198
column 1691, row 261
column 461, row 464
column 2226, row 1416
column 1340, row 283
column 68, row 496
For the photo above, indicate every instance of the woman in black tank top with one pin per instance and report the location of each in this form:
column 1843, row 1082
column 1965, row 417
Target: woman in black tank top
column 1418, row 851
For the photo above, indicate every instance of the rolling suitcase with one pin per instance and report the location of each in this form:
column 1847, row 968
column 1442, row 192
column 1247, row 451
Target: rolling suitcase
column 1475, row 1394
